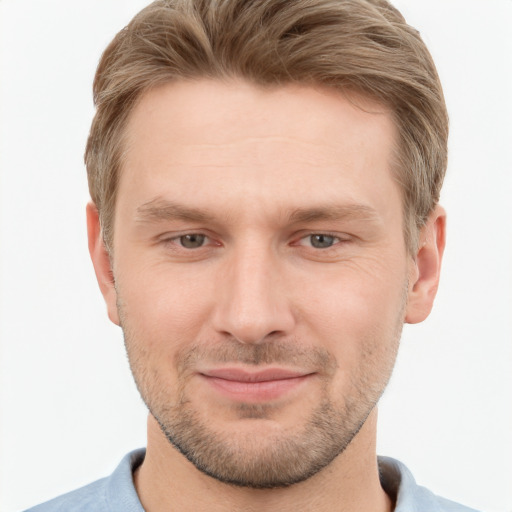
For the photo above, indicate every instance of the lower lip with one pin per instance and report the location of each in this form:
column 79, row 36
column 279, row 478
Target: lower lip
column 256, row 391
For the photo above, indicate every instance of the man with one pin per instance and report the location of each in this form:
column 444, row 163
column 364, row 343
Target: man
column 265, row 178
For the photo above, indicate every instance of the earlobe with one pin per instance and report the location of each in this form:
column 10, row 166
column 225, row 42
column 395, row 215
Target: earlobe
column 101, row 262
column 427, row 267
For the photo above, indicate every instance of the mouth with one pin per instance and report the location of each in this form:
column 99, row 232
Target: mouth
column 255, row 386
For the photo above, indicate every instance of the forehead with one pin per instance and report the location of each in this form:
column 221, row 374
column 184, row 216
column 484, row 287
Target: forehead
column 207, row 140
column 192, row 110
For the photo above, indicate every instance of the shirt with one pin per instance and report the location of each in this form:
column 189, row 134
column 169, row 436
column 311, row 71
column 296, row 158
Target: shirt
column 117, row 493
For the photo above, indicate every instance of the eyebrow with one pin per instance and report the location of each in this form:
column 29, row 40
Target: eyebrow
column 164, row 210
column 334, row 212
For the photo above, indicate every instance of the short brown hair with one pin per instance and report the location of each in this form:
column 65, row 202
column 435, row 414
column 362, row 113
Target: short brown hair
column 361, row 45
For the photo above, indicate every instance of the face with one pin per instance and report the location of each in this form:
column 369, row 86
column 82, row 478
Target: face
column 261, row 275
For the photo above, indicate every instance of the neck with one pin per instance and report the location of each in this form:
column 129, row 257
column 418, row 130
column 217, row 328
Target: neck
column 167, row 480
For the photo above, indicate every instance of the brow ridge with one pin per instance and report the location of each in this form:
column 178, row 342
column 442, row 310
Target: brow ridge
column 160, row 209
column 333, row 212
column 164, row 210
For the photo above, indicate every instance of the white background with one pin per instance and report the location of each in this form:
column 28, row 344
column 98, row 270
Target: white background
column 69, row 410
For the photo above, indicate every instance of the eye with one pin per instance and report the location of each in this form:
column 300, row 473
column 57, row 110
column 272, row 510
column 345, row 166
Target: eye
column 192, row 240
column 321, row 241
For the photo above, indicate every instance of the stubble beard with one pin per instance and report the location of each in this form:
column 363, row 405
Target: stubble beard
column 263, row 460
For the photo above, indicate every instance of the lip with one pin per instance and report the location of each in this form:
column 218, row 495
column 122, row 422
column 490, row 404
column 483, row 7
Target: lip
column 255, row 386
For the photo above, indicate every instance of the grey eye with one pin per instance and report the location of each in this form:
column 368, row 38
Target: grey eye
column 192, row 241
column 322, row 241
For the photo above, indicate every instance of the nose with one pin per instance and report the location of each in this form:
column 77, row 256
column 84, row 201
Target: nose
column 253, row 300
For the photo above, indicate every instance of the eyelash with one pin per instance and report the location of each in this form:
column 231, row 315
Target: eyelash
column 177, row 240
column 336, row 240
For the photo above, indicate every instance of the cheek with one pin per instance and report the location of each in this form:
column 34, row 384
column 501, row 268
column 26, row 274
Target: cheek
column 362, row 294
column 162, row 310
column 357, row 315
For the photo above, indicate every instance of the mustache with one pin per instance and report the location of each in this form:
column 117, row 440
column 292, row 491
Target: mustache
column 289, row 353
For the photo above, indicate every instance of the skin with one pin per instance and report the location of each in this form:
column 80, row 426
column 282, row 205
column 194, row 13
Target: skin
column 260, row 174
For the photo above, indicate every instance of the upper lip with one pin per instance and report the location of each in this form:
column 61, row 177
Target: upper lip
column 243, row 375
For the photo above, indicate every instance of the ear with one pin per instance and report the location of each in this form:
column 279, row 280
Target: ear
column 101, row 262
column 426, row 267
